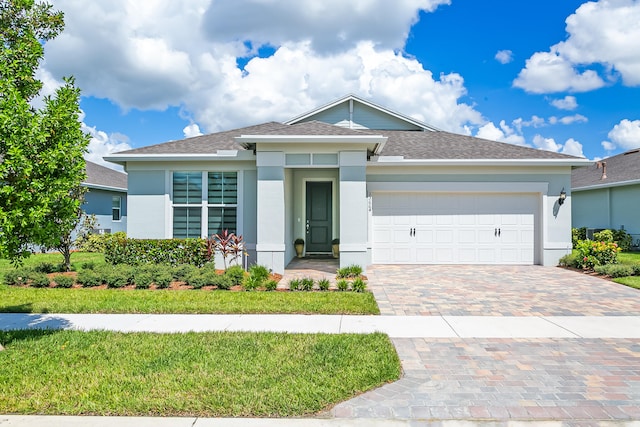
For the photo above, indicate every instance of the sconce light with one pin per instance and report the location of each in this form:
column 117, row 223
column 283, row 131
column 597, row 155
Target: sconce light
column 563, row 196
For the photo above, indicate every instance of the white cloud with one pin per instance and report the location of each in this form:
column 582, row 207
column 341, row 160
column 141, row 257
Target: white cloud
column 608, row 145
column 604, row 32
column 504, row 56
column 548, row 144
column 625, row 134
column 504, row 133
column 330, row 26
column 102, row 144
column 573, row 148
column 568, row 120
column 155, row 55
column 191, row 130
column 567, row 103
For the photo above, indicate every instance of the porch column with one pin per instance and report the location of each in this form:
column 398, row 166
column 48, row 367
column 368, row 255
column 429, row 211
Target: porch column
column 270, row 244
column 353, row 208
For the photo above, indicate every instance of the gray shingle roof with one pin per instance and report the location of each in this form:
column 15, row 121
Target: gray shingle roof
column 207, row 144
column 104, row 176
column 410, row 144
column 620, row 168
column 446, row 145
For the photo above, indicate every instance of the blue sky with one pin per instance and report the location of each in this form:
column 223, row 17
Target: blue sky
column 558, row 75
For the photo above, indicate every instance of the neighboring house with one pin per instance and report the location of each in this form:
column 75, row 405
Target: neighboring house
column 607, row 194
column 106, row 198
column 391, row 188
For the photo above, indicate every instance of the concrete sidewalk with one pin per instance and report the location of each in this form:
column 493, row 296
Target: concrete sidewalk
column 394, row 326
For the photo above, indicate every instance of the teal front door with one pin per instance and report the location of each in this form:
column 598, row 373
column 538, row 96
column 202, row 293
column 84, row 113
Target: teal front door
column 319, row 210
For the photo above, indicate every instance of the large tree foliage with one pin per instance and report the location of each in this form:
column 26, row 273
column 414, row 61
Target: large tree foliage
column 41, row 150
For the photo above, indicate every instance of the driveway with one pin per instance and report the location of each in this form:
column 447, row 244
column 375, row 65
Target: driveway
column 578, row 381
column 480, row 290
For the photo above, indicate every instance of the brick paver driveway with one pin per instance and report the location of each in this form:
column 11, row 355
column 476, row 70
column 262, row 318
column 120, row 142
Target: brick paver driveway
column 581, row 382
column 482, row 290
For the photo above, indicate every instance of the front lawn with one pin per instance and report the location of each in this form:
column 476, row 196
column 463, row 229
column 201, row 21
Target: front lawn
column 219, row 374
column 77, row 259
column 631, row 281
column 31, row 300
column 629, row 257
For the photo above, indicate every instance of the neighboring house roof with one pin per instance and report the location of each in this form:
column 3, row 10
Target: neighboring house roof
column 102, row 177
column 622, row 169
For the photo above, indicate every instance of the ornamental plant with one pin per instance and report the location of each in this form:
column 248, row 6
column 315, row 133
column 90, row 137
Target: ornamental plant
column 597, row 253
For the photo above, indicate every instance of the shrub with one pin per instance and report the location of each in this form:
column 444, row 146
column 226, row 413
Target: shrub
column 95, row 242
column 603, row 236
column 181, row 271
column 118, row 276
column 569, row 260
column 578, row 234
column 39, row 280
column 63, row 281
column 220, row 280
column 270, row 285
column 236, row 274
column 17, row 276
column 163, row 279
column 636, row 269
column 120, row 250
column 196, row 279
column 89, row 278
column 294, row 284
column 349, row 272
column 251, row 283
column 306, row 284
column 623, row 239
column 89, row 265
column 342, row 285
column 260, row 272
column 614, row 270
column 323, row 284
column 143, row 280
column 358, row 285
column 46, row 268
column 592, row 253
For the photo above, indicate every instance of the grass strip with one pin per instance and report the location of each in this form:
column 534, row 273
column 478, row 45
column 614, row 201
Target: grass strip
column 631, row 281
column 77, row 259
column 220, row 374
column 51, row 300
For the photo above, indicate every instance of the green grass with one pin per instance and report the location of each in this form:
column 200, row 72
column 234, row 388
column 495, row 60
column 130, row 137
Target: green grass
column 77, row 259
column 629, row 257
column 631, row 281
column 207, row 374
column 32, row 300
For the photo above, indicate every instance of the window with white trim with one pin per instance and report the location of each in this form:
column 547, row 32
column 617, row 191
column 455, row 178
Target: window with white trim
column 116, row 208
column 209, row 198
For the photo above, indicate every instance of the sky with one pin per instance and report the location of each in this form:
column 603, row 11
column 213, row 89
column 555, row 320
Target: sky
column 556, row 75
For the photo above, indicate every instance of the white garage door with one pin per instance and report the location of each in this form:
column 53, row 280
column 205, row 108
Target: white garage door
column 459, row 228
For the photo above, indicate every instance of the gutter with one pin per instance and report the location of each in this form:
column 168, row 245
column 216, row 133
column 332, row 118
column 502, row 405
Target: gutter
column 399, row 161
column 607, row 185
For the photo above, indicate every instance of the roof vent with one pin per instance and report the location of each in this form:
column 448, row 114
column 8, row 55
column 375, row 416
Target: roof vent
column 632, row 151
column 602, row 165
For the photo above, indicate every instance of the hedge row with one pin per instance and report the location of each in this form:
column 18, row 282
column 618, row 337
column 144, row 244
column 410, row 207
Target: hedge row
column 118, row 249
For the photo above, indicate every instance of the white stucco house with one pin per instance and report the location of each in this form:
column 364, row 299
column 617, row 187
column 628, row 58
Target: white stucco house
column 391, row 188
column 607, row 194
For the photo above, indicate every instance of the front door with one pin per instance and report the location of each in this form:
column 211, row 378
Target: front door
column 319, row 210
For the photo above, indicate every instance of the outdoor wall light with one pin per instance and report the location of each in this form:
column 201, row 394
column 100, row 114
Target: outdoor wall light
column 563, row 196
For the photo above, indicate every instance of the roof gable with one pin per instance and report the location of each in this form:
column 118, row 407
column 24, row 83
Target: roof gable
column 353, row 112
column 621, row 168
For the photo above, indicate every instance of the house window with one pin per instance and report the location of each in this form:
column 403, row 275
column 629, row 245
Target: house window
column 209, row 198
column 222, row 201
column 116, row 208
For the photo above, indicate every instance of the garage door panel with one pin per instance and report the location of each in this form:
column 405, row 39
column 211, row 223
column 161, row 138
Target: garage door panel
column 454, row 228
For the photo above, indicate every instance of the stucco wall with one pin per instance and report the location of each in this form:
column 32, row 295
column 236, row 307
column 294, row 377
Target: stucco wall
column 147, row 198
column 99, row 203
column 612, row 207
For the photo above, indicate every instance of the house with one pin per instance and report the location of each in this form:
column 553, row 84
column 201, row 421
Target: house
column 607, row 194
column 391, row 188
column 106, row 197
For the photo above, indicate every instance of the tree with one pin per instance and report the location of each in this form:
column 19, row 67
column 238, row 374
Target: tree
column 41, row 150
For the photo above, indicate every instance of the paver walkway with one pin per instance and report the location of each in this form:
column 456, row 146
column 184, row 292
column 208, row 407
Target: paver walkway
column 488, row 290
